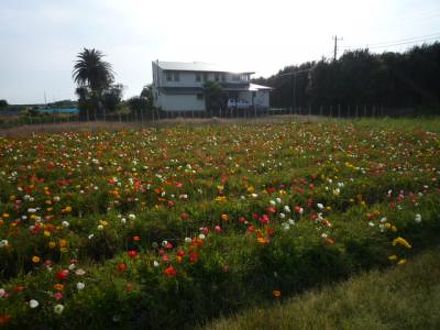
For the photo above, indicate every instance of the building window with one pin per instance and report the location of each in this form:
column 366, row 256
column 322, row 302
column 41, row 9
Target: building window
column 223, row 77
column 198, row 77
column 205, row 76
column 235, row 77
column 169, row 76
column 176, row 76
column 217, row 77
column 200, row 96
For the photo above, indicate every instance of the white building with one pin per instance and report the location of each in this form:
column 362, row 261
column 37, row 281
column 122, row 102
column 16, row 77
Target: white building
column 178, row 86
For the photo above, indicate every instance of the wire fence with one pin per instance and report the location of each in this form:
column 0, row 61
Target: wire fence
column 151, row 117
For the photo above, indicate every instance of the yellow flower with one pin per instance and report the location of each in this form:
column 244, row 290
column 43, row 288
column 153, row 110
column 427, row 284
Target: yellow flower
column 62, row 243
column 47, row 233
column 401, row 262
column 36, row 259
column 67, row 209
column 401, row 241
column 5, row 215
column 52, row 245
column 250, row 189
column 220, row 199
column 393, row 229
column 392, row 257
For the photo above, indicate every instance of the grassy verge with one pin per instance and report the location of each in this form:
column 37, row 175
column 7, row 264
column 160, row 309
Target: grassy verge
column 406, row 297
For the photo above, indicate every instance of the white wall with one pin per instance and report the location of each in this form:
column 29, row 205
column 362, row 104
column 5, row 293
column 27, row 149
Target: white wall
column 173, row 102
column 188, row 79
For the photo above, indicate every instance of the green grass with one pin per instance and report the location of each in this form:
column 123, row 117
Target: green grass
column 405, row 297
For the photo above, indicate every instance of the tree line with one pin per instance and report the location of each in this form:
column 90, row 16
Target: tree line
column 390, row 80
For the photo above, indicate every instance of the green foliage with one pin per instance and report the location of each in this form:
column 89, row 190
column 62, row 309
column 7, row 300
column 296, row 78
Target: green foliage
column 359, row 78
column 173, row 226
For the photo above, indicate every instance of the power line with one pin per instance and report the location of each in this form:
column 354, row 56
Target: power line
column 392, row 43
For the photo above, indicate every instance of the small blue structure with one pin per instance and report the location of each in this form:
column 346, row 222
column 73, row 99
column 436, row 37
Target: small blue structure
column 72, row 111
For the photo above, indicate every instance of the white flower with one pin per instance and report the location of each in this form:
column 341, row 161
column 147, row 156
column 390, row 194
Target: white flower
column 91, row 236
column 336, row 191
column 57, row 198
column 287, row 209
column 418, row 218
column 273, row 203
column 80, row 286
column 32, row 210
column 156, row 263
column 324, row 235
column 72, row 266
column 291, row 222
column 2, row 292
column 282, row 215
column 65, row 224
column 188, row 240
column 164, row 243
column 371, row 224
column 80, row 272
column 123, row 221
column 33, row 303
column 58, row 309
column 320, row 206
column 254, row 195
column 100, row 227
column 131, row 216
column 202, row 236
column 278, row 200
column 285, row 226
column 383, row 220
column 4, row 243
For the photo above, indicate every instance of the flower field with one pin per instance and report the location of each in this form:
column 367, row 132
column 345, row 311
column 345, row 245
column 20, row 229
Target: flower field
column 160, row 228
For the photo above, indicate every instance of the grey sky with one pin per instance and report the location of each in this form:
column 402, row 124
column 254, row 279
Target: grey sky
column 40, row 39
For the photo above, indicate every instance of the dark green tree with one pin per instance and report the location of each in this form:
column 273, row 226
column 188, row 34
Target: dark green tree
column 215, row 97
column 93, row 74
column 3, row 104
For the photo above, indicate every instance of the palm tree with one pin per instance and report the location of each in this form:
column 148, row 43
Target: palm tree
column 93, row 74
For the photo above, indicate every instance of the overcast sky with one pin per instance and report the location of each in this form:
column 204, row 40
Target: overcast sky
column 39, row 39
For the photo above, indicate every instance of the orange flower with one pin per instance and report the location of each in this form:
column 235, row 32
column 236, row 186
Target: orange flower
column 4, row 319
column 276, row 293
column 225, row 217
column 59, row 287
column 36, row 259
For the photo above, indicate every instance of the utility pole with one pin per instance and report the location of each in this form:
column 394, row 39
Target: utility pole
column 335, row 51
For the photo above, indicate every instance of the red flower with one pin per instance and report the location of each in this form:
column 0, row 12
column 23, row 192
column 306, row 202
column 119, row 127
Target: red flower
column 132, row 253
column 122, row 267
column 63, row 274
column 58, row 296
column 136, row 238
column 184, row 216
column 170, row 271
column 264, row 219
column 193, row 257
